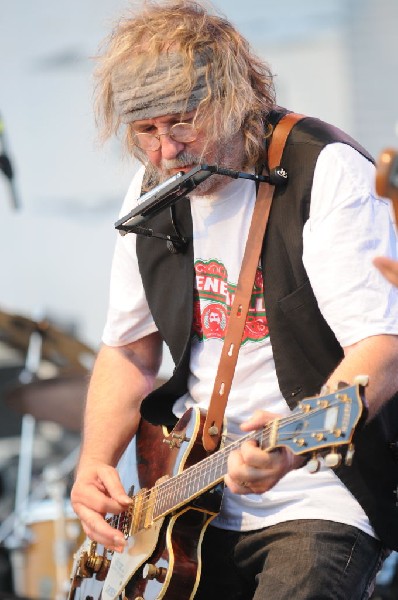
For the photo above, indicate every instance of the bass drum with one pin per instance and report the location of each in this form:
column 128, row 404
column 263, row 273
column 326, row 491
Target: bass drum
column 41, row 570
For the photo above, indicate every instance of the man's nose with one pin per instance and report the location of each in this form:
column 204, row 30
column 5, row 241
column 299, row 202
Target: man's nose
column 169, row 147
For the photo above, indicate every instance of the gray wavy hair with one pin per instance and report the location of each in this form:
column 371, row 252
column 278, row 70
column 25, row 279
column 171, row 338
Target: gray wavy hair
column 238, row 90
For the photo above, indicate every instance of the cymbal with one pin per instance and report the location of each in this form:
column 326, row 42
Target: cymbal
column 60, row 400
column 58, row 347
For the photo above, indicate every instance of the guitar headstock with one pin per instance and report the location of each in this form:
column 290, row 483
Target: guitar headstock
column 324, row 424
column 387, row 177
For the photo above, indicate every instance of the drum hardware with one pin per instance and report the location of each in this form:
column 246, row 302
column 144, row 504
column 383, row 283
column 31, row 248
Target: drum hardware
column 22, row 533
column 38, row 494
column 64, row 538
column 18, row 538
column 43, row 517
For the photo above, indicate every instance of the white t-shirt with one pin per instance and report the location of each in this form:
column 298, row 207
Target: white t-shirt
column 347, row 227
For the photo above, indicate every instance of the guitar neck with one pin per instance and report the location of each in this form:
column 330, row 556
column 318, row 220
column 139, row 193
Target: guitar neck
column 315, row 426
column 195, row 480
column 171, row 493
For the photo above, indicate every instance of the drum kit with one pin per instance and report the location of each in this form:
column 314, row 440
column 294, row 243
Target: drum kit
column 43, row 379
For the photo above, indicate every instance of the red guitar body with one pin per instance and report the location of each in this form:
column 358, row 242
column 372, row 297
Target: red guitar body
column 176, row 559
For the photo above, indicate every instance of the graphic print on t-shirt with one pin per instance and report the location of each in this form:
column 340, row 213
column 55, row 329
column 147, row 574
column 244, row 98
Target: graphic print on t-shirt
column 213, row 299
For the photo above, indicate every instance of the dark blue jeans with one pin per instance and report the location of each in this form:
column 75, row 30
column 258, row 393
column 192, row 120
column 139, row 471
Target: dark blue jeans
column 296, row 560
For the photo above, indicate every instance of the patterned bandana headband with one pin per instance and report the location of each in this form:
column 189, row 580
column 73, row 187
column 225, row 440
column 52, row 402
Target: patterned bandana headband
column 158, row 90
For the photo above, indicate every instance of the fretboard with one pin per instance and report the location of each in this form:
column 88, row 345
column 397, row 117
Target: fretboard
column 191, row 483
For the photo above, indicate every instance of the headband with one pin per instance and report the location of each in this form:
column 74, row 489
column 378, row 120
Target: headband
column 158, row 90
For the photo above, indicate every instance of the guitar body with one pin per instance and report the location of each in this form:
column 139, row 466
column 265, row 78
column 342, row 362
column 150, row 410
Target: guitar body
column 175, row 561
column 176, row 558
column 162, row 559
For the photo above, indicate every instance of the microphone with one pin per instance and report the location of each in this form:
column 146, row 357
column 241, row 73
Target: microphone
column 6, row 166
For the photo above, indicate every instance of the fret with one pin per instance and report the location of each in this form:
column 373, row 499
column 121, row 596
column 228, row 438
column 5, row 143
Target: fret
column 176, row 491
column 186, row 486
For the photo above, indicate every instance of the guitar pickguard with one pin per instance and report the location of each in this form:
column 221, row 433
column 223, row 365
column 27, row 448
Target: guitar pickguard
column 139, row 549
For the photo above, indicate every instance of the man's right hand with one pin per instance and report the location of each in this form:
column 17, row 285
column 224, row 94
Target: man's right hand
column 121, row 378
column 98, row 491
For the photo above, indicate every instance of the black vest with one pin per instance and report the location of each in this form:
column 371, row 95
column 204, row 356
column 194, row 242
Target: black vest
column 305, row 348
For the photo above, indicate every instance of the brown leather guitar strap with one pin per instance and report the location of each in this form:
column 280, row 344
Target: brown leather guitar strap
column 233, row 336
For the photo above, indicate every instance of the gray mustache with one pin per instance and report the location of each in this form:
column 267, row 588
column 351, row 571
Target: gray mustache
column 184, row 159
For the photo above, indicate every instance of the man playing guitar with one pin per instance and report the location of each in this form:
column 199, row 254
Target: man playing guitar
column 185, row 89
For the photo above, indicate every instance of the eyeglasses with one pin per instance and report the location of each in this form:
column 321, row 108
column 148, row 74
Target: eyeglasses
column 179, row 132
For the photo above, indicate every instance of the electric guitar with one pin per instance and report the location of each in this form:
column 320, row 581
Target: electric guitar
column 387, row 177
column 181, row 492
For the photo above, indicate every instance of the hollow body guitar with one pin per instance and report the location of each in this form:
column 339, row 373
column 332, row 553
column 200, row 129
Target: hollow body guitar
column 181, row 492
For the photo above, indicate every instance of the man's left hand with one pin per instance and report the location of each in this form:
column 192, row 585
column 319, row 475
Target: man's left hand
column 254, row 470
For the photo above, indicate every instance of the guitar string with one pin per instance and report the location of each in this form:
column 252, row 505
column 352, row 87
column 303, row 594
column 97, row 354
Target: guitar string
column 263, row 433
column 161, row 494
column 179, row 482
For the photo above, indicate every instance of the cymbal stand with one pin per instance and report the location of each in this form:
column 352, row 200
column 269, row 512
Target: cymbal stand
column 20, row 536
column 39, row 492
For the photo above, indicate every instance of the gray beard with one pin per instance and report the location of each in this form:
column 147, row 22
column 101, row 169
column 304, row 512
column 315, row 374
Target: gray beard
column 229, row 155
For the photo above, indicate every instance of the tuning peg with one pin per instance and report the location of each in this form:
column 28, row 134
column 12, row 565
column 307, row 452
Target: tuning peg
column 362, row 380
column 341, row 385
column 333, row 460
column 349, row 455
column 313, row 464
